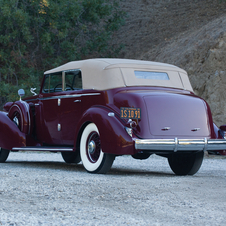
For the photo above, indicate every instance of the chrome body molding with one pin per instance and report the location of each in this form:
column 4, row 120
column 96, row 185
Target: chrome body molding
column 166, row 128
column 41, row 148
column 65, row 96
column 59, row 127
column 176, row 144
column 68, row 96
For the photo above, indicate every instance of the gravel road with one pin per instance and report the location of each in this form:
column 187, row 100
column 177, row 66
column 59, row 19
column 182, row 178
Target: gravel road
column 40, row 189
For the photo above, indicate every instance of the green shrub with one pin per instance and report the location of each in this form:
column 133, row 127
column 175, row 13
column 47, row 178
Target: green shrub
column 36, row 35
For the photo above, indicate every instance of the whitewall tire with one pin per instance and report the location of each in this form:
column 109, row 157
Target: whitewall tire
column 93, row 159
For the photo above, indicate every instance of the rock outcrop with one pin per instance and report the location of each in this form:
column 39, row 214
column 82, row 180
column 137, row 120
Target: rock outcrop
column 202, row 53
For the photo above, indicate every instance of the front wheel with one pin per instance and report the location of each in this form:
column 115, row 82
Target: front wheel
column 4, row 153
column 185, row 163
column 93, row 159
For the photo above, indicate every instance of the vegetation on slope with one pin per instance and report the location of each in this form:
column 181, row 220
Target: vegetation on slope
column 36, row 35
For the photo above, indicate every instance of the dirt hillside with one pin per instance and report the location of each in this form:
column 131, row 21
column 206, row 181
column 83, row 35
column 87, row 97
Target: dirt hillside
column 190, row 34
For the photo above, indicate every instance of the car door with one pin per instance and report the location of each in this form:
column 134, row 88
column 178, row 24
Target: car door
column 47, row 110
column 70, row 105
column 59, row 108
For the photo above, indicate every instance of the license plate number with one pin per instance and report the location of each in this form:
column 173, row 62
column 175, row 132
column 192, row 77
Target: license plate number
column 133, row 113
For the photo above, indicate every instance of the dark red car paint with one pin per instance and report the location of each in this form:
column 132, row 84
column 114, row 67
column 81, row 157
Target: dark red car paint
column 73, row 113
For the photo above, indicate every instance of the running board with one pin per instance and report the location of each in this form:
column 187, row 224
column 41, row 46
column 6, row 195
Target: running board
column 54, row 149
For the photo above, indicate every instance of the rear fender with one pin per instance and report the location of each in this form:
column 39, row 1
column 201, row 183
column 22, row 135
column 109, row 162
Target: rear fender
column 114, row 138
column 10, row 135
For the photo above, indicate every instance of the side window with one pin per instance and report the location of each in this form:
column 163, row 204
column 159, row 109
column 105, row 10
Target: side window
column 63, row 81
column 53, row 83
column 73, row 79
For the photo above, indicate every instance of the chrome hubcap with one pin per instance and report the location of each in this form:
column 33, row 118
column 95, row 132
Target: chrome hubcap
column 16, row 121
column 91, row 147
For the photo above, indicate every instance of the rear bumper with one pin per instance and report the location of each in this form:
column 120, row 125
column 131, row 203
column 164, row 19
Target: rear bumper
column 174, row 145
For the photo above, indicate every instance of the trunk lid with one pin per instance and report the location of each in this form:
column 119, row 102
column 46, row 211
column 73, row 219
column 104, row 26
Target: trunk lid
column 178, row 115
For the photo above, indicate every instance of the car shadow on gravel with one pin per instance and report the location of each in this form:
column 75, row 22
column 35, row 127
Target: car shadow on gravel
column 49, row 165
column 137, row 172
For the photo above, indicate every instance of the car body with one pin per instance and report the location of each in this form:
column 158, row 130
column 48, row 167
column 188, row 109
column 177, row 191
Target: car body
column 95, row 110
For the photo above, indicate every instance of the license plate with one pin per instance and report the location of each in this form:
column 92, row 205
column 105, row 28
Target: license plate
column 133, row 113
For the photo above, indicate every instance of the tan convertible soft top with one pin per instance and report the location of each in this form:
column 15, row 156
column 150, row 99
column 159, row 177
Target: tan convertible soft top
column 107, row 73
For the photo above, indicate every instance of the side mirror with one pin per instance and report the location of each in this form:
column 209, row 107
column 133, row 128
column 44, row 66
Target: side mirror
column 21, row 93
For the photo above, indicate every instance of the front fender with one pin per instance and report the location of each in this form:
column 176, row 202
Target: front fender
column 10, row 135
column 114, row 138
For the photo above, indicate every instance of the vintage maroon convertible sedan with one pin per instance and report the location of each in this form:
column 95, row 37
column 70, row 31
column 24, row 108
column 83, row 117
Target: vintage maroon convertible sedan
column 94, row 110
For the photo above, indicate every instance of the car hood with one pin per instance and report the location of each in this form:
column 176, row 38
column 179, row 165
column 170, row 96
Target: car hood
column 172, row 114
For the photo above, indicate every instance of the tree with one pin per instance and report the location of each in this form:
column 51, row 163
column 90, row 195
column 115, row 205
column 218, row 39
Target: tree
column 36, row 35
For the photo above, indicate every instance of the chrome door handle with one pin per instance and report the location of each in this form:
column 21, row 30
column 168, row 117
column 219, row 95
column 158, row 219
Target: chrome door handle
column 77, row 101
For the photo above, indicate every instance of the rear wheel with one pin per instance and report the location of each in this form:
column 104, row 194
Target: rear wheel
column 185, row 163
column 4, row 153
column 71, row 157
column 93, row 159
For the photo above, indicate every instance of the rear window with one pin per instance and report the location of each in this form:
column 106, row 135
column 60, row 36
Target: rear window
column 151, row 75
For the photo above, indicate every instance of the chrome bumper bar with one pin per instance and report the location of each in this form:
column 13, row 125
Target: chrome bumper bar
column 180, row 144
